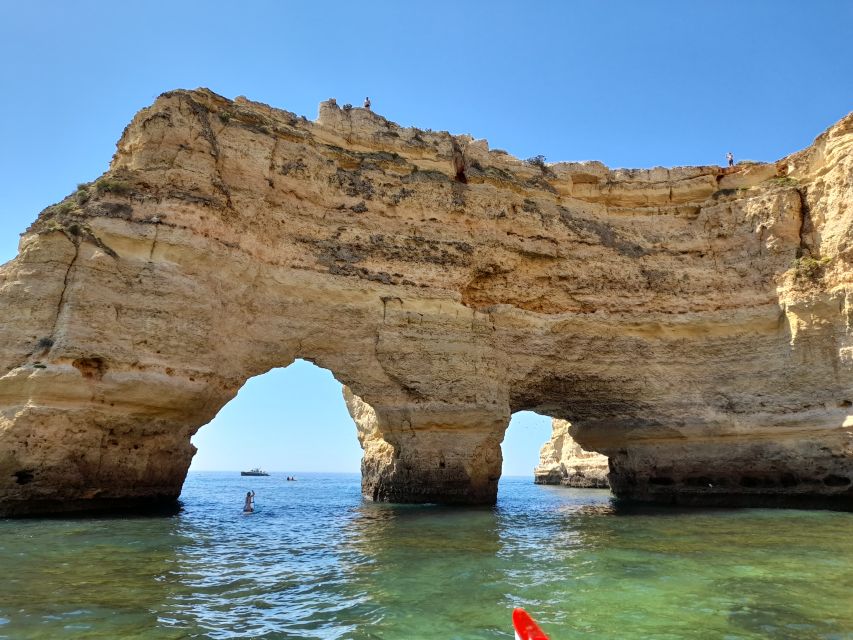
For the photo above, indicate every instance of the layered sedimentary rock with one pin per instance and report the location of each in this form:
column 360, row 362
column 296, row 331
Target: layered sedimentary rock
column 564, row 461
column 693, row 324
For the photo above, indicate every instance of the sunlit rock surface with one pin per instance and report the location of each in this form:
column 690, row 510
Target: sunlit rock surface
column 564, row 461
column 693, row 324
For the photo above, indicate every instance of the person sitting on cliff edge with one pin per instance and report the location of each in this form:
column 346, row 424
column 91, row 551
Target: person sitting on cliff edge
column 367, row 103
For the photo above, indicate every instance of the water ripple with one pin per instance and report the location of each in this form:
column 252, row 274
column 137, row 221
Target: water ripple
column 315, row 561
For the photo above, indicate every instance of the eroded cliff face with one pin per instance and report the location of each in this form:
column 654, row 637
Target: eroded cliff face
column 693, row 324
column 563, row 461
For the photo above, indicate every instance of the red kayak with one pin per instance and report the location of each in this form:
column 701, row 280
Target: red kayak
column 525, row 627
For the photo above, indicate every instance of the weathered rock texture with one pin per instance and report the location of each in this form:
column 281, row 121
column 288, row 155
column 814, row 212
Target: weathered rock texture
column 693, row 324
column 564, row 461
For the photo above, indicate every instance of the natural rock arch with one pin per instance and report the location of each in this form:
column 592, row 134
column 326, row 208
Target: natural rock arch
column 693, row 324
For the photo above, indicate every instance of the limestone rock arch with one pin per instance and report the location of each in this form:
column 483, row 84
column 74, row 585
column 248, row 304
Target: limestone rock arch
column 693, row 324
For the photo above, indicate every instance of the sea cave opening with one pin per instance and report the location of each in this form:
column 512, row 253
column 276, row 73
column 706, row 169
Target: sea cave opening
column 288, row 421
column 292, row 421
column 525, row 435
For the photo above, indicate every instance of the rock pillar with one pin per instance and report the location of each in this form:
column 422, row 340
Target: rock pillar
column 436, row 455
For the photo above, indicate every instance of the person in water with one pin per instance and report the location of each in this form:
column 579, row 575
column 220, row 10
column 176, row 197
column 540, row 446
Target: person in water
column 249, row 506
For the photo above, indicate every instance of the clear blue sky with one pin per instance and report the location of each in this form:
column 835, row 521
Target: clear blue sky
column 633, row 84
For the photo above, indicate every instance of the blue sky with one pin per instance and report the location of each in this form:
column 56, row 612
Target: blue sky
column 633, row 84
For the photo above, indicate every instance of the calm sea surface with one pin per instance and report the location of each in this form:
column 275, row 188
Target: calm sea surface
column 315, row 561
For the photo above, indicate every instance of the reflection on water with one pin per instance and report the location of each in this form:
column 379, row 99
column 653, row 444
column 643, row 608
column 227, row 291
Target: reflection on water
column 315, row 561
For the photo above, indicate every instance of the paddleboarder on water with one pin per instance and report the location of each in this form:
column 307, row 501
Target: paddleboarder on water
column 249, row 505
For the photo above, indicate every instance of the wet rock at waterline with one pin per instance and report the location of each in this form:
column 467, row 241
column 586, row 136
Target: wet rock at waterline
column 693, row 324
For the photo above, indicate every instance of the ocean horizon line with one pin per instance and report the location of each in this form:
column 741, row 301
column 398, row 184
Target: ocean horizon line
column 288, row 472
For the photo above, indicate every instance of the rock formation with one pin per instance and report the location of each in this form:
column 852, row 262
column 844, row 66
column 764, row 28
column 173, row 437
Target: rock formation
column 693, row 324
column 564, row 461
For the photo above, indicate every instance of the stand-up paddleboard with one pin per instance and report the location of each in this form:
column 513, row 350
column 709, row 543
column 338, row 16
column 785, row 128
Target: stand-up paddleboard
column 525, row 627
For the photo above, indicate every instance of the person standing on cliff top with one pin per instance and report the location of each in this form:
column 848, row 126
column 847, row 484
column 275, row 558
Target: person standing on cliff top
column 367, row 103
column 730, row 158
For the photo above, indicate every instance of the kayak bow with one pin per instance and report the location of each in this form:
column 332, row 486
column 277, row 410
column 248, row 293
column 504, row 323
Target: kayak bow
column 525, row 627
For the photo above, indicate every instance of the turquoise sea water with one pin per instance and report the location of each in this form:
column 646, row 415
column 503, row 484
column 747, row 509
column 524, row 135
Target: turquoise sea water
column 315, row 561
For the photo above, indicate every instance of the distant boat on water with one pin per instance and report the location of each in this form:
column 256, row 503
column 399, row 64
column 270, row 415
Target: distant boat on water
column 254, row 472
